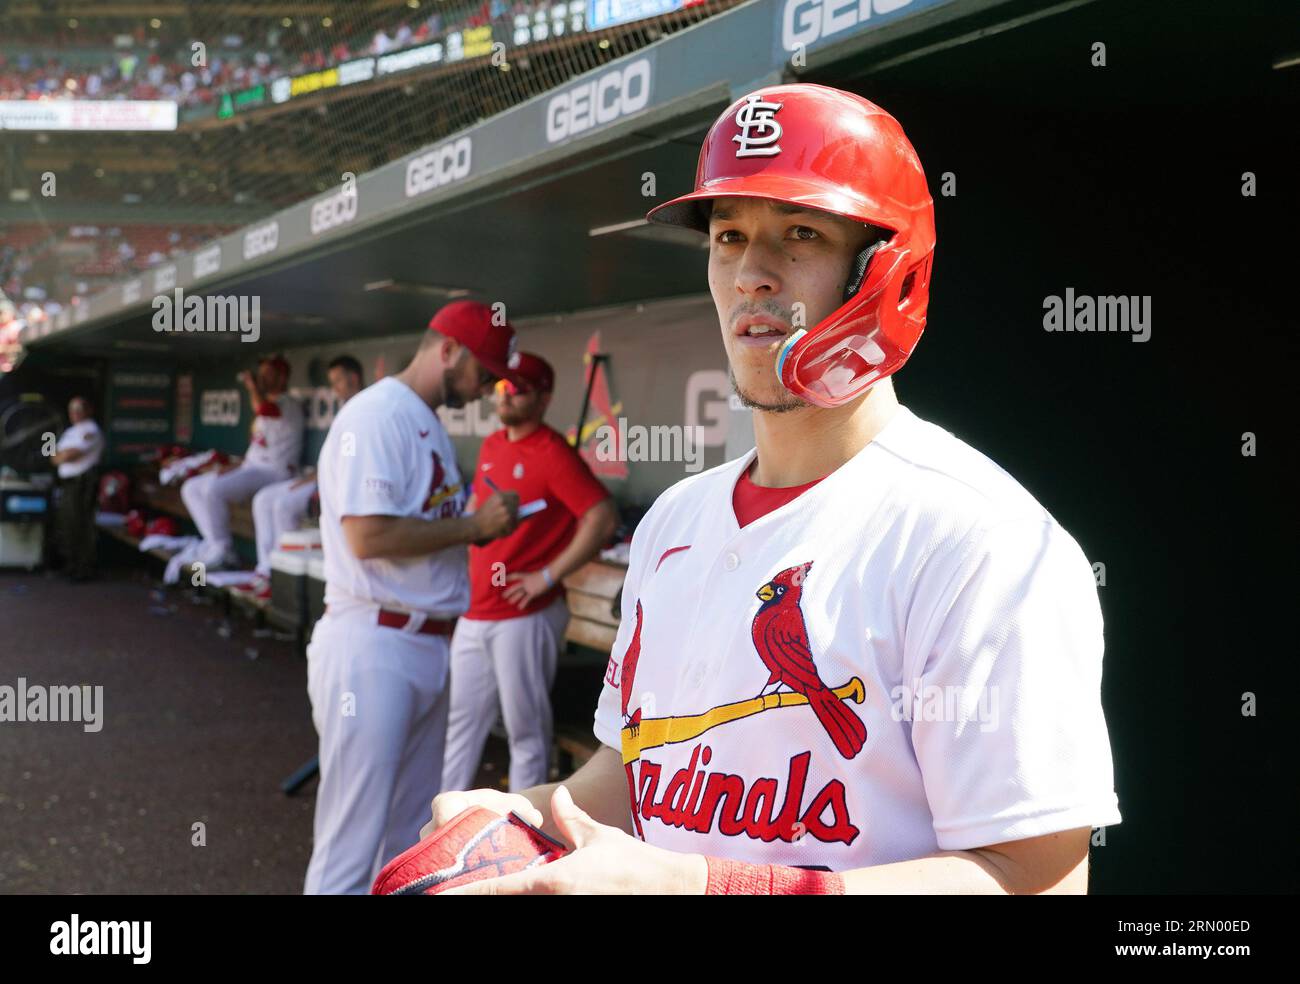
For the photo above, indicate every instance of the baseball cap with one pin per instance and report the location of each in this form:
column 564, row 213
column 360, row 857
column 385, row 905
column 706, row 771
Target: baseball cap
column 471, row 324
column 532, row 371
column 276, row 362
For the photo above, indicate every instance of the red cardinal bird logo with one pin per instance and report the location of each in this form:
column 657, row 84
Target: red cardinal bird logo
column 629, row 671
column 781, row 638
column 435, row 482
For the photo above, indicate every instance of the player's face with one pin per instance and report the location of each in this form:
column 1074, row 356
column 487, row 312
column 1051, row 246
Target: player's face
column 76, row 411
column 466, row 381
column 269, row 379
column 774, row 268
column 345, row 385
column 515, row 406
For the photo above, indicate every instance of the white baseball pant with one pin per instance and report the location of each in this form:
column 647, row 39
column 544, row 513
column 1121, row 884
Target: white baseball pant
column 207, row 498
column 277, row 508
column 379, row 702
column 511, row 660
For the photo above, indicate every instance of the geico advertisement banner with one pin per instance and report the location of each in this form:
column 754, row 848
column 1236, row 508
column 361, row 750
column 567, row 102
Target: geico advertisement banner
column 87, row 114
column 806, row 24
column 599, row 100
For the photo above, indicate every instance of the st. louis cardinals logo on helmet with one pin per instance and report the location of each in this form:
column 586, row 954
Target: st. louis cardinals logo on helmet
column 820, row 148
column 759, row 130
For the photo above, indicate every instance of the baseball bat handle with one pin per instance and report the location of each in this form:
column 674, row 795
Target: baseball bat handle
column 654, row 732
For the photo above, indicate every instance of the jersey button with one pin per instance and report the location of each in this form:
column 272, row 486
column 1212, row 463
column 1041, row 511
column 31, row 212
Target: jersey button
column 731, row 562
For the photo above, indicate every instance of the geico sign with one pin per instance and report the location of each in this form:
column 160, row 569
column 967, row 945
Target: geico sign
column 803, row 22
column 207, row 261
column 320, row 403
column 262, row 240
column 442, row 165
column 339, row 209
column 220, row 408
column 602, row 100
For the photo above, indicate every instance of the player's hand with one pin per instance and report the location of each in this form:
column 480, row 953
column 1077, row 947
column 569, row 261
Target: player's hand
column 604, row 861
column 497, row 517
column 521, row 589
column 447, row 806
column 245, row 377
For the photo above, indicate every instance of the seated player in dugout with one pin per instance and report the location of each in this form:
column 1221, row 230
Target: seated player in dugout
column 274, row 447
column 280, row 507
column 860, row 658
column 506, row 645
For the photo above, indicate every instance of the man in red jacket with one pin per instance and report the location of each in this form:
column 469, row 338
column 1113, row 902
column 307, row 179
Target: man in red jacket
column 505, row 646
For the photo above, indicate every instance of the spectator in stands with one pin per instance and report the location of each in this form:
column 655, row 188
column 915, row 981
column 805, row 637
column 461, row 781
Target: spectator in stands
column 280, row 506
column 77, row 454
column 272, row 456
column 505, row 647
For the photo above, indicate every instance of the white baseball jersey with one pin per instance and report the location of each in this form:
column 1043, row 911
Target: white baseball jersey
column 85, row 437
column 277, row 440
column 387, row 454
column 904, row 659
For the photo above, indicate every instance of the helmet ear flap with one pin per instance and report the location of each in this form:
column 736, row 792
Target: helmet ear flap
column 858, row 269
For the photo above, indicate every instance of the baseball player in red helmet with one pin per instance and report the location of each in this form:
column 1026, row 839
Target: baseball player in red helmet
column 860, row 658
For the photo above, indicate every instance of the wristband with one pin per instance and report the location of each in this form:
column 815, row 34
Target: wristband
column 546, row 576
column 739, row 878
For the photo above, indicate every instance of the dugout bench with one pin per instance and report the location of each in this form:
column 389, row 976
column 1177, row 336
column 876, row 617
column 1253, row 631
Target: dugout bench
column 593, row 592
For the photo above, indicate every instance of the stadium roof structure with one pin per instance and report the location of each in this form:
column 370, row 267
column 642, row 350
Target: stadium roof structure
column 541, row 206
column 415, row 232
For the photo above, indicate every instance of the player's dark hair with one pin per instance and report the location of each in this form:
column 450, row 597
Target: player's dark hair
column 348, row 364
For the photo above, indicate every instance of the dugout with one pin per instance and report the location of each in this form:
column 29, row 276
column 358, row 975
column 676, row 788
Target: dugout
column 1149, row 168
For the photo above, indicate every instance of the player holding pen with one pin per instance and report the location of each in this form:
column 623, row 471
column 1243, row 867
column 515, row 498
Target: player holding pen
column 505, row 647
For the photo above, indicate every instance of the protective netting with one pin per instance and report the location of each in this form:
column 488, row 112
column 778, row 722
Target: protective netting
column 272, row 109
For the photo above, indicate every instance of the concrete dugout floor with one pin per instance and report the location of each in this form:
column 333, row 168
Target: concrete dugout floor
column 197, row 727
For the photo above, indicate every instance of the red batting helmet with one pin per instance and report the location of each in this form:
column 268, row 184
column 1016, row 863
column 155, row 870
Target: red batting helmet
column 834, row 151
column 161, row 526
column 114, row 492
column 135, row 523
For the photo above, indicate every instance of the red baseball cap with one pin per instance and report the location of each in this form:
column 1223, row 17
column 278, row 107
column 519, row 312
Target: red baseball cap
column 473, row 325
column 532, row 371
column 277, row 362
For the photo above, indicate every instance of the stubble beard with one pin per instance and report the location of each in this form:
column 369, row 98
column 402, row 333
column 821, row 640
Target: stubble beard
column 751, row 403
column 450, row 397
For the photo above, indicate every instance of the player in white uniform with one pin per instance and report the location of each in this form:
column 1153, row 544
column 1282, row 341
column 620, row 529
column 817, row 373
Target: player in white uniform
column 272, row 456
column 860, row 658
column 395, row 544
column 280, row 506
